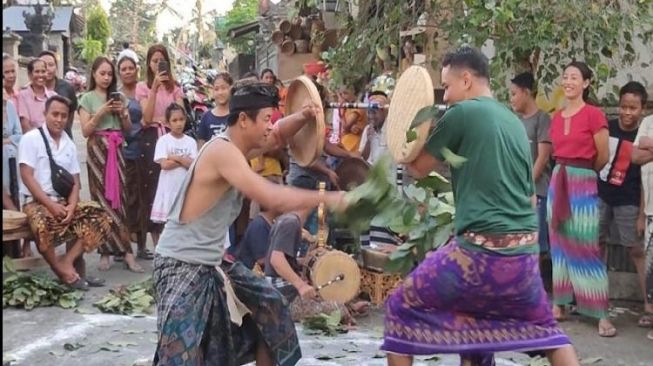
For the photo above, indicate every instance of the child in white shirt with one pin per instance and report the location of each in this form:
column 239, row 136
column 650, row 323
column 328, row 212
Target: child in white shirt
column 175, row 152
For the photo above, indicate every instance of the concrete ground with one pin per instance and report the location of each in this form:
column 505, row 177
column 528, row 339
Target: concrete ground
column 38, row 337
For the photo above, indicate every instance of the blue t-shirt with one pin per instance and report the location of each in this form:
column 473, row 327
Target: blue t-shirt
column 211, row 125
column 255, row 242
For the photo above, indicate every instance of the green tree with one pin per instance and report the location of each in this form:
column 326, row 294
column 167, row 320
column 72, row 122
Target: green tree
column 134, row 21
column 97, row 26
column 542, row 36
column 242, row 12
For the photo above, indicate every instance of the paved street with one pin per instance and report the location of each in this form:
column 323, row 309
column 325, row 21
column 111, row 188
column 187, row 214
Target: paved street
column 38, row 337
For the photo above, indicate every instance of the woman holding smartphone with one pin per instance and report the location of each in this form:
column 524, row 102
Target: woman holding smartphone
column 155, row 95
column 104, row 118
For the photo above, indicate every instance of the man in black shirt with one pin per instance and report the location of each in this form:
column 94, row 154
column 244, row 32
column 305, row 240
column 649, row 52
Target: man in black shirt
column 60, row 86
column 620, row 193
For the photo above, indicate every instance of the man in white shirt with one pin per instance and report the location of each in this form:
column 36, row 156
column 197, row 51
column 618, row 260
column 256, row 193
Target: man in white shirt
column 643, row 155
column 372, row 147
column 54, row 219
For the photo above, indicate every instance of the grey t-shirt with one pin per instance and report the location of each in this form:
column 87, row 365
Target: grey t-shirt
column 286, row 237
column 537, row 128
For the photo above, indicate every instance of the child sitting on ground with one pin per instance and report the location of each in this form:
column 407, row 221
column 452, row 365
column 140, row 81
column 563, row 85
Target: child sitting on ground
column 175, row 152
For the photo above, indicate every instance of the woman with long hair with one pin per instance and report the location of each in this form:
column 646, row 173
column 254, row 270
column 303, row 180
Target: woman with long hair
column 31, row 99
column 155, row 95
column 580, row 147
column 104, row 119
column 135, row 205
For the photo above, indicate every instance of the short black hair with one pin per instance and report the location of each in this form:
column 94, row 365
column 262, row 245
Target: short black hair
column 57, row 98
column 49, row 53
column 32, row 63
column 233, row 116
column 468, row 58
column 636, row 88
column 174, row 107
column 525, row 80
column 378, row 92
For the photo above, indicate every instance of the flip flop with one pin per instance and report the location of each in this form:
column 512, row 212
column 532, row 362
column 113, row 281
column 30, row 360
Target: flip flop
column 80, row 284
column 607, row 332
column 94, row 281
column 650, row 335
column 646, row 321
column 145, row 254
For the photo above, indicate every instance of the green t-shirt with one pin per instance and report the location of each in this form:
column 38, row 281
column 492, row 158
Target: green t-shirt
column 493, row 188
column 91, row 102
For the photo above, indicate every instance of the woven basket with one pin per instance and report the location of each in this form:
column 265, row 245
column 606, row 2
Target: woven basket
column 414, row 91
column 277, row 37
column 285, row 26
column 287, row 47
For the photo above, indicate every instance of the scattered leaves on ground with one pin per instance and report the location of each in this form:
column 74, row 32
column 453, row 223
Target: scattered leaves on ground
column 137, row 298
column 327, row 324
column 29, row 291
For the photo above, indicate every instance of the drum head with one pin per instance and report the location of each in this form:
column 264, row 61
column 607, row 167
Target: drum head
column 306, row 146
column 413, row 92
column 351, row 173
column 329, row 266
column 12, row 220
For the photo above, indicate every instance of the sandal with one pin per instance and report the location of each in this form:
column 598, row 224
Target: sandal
column 79, row 284
column 607, row 332
column 646, row 321
column 136, row 268
column 94, row 281
column 145, row 254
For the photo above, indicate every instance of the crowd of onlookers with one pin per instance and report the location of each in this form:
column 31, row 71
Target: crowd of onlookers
column 134, row 120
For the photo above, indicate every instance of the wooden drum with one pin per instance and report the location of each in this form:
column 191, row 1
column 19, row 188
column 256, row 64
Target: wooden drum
column 324, row 266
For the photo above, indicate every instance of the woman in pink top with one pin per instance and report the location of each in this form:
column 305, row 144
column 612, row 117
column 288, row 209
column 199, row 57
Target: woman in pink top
column 155, row 95
column 32, row 98
column 580, row 147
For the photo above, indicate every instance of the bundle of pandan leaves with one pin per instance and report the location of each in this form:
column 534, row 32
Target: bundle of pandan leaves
column 136, row 298
column 422, row 213
column 33, row 290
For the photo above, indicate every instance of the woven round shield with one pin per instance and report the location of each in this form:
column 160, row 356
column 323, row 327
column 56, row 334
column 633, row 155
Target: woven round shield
column 12, row 220
column 307, row 144
column 325, row 266
column 413, row 91
column 351, row 173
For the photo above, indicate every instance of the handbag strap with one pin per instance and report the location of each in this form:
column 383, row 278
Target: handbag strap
column 47, row 145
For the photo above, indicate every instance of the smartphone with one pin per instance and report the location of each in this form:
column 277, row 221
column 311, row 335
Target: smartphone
column 163, row 66
column 116, row 96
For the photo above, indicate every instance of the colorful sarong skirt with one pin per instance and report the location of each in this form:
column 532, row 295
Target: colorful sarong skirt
column 118, row 241
column 89, row 223
column 473, row 302
column 194, row 324
column 578, row 268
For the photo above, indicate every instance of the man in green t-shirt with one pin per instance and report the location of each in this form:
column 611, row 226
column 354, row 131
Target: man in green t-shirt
column 482, row 292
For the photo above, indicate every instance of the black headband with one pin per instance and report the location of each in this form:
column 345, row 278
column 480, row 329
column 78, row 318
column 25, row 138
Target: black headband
column 253, row 97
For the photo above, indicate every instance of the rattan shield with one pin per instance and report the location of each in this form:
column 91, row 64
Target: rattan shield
column 413, row 91
column 307, row 144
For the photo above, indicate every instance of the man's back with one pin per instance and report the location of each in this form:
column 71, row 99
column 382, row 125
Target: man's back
column 493, row 188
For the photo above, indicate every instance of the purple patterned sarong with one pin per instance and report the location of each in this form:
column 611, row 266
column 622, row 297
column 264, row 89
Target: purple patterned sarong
column 474, row 302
